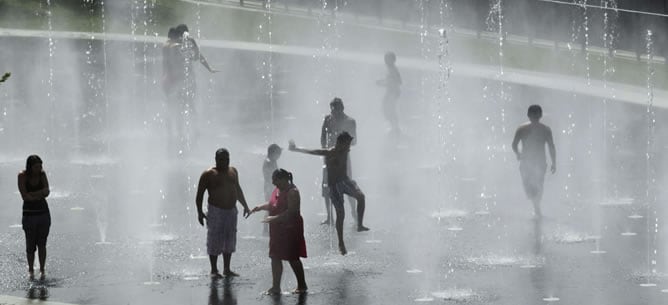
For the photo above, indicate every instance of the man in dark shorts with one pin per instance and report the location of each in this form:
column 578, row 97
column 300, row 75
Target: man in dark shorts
column 222, row 183
column 340, row 183
column 534, row 135
column 335, row 123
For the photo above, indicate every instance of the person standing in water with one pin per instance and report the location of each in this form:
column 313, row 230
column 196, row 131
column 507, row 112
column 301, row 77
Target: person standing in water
column 36, row 221
column 334, row 124
column 533, row 136
column 286, row 233
column 178, row 80
column 269, row 165
column 222, row 184
column 392, row 84
column 339, row 182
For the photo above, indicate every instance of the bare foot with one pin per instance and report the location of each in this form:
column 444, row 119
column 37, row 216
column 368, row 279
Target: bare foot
column 299, row 290
column 215, row 275
column 31, row 275
column 42, row 275
column 230, row 273
column 362, row 229
column 273, row 291
column 342, row 249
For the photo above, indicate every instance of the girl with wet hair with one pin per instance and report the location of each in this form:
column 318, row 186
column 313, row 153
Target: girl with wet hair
column 34, row 188
column 286, row 231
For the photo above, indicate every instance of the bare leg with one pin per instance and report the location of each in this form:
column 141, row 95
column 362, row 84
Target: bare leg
column 353, row 207
column 361, row 204
column 328, row 209
column 298, row 269
column 227, row 257
column 31, row 263
column 213, row 260
column 276, row 273
column 340, row 214
column 536, row 206
column 42, row 259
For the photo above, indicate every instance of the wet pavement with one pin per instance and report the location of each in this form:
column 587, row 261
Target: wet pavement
column 133, row 239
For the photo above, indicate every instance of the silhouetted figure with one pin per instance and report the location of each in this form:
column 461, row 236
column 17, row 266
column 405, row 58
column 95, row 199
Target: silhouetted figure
column 392, row 84
column 179, row 79
column 286, row 231
column 36, row 221
column 176, row 86
column 269, row 165
column 533, row 136
column 334, row 124
column 222, row 184
column 339, row 182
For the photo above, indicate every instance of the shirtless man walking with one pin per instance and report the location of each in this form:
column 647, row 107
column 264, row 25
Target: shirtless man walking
column 222, row 183
column 336, row 160
column 534, row 135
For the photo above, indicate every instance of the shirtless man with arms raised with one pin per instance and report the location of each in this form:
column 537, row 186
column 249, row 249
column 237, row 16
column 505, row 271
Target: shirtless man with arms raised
column 222, row 184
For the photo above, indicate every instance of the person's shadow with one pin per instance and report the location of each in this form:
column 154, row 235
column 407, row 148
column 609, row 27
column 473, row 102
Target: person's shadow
column 227, row 298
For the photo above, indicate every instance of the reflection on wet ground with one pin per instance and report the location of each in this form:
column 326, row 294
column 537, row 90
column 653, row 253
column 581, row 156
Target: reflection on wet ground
column 411, row 256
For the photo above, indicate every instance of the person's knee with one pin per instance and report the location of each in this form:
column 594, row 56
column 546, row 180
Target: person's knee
column 31, row 248
column 360, row 197
column 339, row 213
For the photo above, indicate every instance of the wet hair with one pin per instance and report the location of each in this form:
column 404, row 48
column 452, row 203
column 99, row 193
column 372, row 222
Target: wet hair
column 222, row 151
column 273, row 148
column 337, row 102
column 173, row 34
column 535, row 111
column 181, row 28
column 282, row 174
column 390, row 57
column 32, row 160
column 344, row 136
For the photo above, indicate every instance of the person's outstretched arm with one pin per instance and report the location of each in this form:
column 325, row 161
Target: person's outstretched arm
column 260, row 207
column 293, row 208
column 317, row 152
column 201, row 57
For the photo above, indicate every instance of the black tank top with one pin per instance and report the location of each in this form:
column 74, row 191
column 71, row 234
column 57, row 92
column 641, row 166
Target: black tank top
column 35, row 207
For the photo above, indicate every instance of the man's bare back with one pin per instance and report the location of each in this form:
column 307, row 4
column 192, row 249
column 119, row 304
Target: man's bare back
column 533, row 137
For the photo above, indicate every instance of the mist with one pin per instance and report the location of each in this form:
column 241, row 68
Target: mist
column 444, row 196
